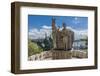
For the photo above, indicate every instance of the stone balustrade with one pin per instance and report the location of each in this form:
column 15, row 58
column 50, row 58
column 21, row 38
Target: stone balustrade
column 40, row 56
column 53, row 55
column 79, row 54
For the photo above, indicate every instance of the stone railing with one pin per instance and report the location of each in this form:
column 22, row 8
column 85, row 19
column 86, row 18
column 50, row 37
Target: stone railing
column 41, row 56
column 52, row 55
column 79, row 54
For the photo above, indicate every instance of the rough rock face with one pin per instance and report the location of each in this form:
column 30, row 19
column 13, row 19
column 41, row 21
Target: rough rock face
column 62, row 39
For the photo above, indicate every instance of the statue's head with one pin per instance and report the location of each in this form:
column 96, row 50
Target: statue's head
column 58, row 27
column 64, row 25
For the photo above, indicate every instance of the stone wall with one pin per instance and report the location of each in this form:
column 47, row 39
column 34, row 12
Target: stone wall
column 79, row 54
column 61, row 54
column 58, row 54
column 40, row 56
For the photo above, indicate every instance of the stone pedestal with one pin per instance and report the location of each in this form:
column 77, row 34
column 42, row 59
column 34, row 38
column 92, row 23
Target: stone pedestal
column 56, row 54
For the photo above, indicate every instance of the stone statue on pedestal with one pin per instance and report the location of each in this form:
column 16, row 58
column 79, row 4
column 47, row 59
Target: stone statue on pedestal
column 62, row 39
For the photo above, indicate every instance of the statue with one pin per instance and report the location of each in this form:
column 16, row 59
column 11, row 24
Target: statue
column 62, row 39
column 65, row 37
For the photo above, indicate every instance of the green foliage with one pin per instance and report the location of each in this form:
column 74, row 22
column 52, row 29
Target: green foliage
column 48, row 43
column 39, row 46
column 33, row 48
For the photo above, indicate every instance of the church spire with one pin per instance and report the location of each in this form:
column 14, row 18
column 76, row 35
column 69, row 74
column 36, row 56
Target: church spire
column 53, row 23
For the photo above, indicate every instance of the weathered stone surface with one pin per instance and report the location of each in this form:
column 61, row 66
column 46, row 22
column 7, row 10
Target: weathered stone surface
column 61, row 54
column 51, row 55
column 79, row 54
column 62, row 39
column 58, row 54
column 41, row 56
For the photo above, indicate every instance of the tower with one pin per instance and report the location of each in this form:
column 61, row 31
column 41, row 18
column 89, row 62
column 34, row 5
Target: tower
column 54, row 32
column 53, row 24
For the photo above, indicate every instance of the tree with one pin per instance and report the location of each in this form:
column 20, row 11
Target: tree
column 48, row 42
column 33, row 48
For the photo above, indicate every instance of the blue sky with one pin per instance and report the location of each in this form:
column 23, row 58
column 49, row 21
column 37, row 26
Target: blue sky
column 39, row 25
column 37, row 21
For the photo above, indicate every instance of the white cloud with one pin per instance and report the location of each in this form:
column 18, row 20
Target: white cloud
column 40, row 33
column 36, row 33
column 76, row 20
column 79, row 33
column 46, row 27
